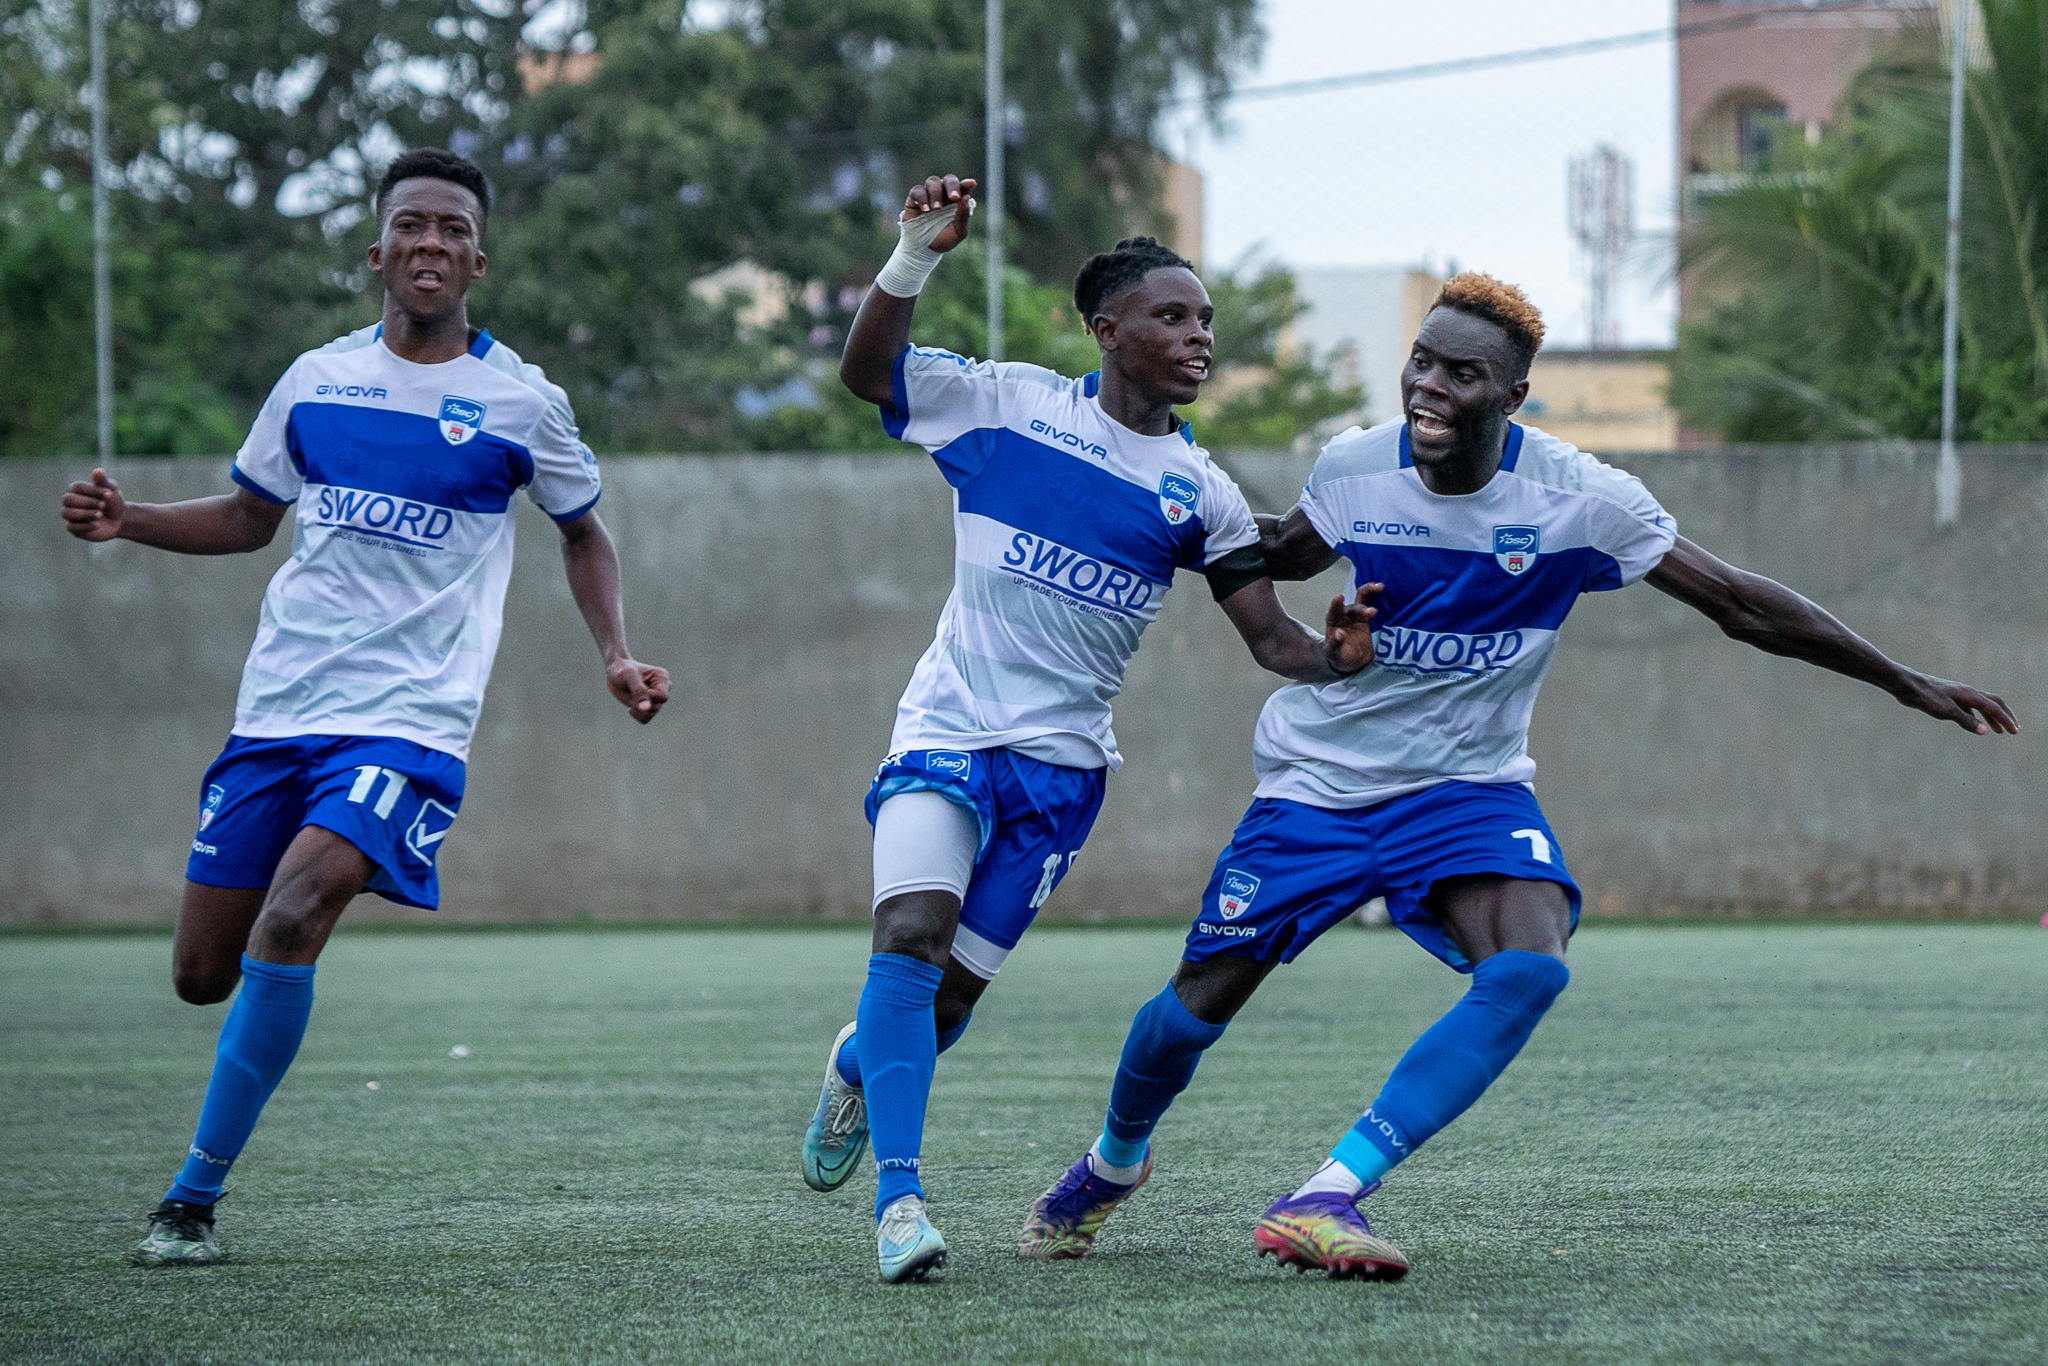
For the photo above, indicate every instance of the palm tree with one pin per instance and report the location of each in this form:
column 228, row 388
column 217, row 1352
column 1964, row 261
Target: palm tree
column 1819, row 279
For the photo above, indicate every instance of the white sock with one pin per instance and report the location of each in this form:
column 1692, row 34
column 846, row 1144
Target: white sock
column 1122, row 1176
column 1332, row 1176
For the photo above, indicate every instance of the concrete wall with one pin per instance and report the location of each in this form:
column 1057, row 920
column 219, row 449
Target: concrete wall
column 790, row 595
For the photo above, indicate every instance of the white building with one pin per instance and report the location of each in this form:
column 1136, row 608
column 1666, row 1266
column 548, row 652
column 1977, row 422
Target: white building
column 1370, row 313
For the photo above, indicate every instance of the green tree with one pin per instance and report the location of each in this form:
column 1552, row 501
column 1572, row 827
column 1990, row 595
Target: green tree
column 1267, row 393
column 247, row 135
column 787, row 136
column 1820, row 279
column 242, row 134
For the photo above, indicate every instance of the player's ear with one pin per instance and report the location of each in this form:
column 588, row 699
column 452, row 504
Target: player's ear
column 483, row 263
column 1518, row 393
column 376, row 254
column 1103, row 328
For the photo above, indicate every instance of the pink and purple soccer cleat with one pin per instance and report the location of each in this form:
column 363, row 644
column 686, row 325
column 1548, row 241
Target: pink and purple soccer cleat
column 1064, row 1221
column 1325, row 1231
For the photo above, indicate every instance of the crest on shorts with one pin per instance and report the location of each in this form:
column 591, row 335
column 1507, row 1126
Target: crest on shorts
column 428, row 829
column 215, row 795
column 952, row 763
column 1234, row 897
column 1514, row 547
column 460, row 418
column 1177, row 498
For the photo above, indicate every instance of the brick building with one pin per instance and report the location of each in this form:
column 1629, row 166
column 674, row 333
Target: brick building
column 1753, row 72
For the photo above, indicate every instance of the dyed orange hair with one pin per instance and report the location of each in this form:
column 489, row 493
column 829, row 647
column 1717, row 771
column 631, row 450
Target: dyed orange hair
column 1500, row 303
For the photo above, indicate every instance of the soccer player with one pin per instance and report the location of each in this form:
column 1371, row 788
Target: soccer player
column 1074, row 503
column 1411, row 781
column 401, row 446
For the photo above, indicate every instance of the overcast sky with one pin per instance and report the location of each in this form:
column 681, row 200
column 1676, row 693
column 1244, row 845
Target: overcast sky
column 1466, row 169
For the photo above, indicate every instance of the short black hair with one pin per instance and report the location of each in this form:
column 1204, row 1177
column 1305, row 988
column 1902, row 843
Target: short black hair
column 436, row 163
column 1108, row 273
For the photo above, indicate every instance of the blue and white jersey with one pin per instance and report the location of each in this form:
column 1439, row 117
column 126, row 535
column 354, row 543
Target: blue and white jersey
column 386, row 618
column 1477, row 586
column 1067, row 530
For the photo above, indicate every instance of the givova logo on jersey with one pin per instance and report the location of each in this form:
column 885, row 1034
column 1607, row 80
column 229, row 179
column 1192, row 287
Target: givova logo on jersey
column 461, row 418
column 1514, row 547
column 1234, row 897
column 1177, row 498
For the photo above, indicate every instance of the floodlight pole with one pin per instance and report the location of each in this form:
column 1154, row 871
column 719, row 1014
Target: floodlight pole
column 992, row 188
column 102, row 282
column 1948, row 471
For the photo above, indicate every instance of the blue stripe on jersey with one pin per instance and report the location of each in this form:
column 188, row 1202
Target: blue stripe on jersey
column 1508, row 457
column 482, row 344
column 1466, row 591
column 964, row 457
column 564, row 518
column 893, row 422
column 1513, row 452
column 1039, row 489
column 405, row 455
column 235, row 473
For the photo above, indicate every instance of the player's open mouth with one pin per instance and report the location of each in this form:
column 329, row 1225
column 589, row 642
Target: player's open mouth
column 1196, row 368
column 1424, row 423
column 426, row 279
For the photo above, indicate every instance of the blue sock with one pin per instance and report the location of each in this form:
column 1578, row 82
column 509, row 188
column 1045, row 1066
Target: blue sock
column 1454, row 1061
column 899, row 1049
column 848, row 1058
column 257, row 1043
column 1159, row 1060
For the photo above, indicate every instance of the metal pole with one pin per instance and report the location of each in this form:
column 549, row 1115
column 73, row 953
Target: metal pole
column 1948, row 472
column 102, row 280
column 992, row 188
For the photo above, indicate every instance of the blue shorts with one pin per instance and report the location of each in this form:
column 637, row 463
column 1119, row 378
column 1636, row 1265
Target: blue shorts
column 1033, row 818
column 1292, row 870
column 392, row 799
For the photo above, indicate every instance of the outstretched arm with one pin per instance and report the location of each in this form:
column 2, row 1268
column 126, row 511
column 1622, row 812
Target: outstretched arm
column 1289, row 648
column 1293, row 548
column 226, row 524
column 593, row 565
column 881, row 329
column 1757, row 611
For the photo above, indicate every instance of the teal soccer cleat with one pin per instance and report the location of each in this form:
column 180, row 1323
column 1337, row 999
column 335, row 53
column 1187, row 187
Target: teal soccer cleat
column 839, row 1130
column 906, row 1244
column 180, row 1234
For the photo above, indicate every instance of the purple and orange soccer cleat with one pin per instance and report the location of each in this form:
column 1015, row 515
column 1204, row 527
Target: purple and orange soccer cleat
column 1326, row 1231
column 1064, row 1221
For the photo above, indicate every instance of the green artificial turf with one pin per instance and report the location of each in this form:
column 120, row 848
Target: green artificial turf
column 1726, row 1144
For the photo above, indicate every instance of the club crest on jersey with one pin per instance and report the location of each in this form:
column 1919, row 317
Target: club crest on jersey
column 215, row 795
column 428, row 829
column 1177, row 498
column 1514, row 547
column 1234, row 897
column 460, row 418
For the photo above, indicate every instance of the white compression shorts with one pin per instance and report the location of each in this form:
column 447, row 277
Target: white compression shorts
column 927, row 843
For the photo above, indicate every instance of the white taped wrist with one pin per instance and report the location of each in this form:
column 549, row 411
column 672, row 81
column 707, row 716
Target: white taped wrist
column 912, row 263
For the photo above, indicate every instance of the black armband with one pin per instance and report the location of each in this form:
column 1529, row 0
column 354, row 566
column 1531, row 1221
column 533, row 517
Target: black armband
column 1239, row 569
